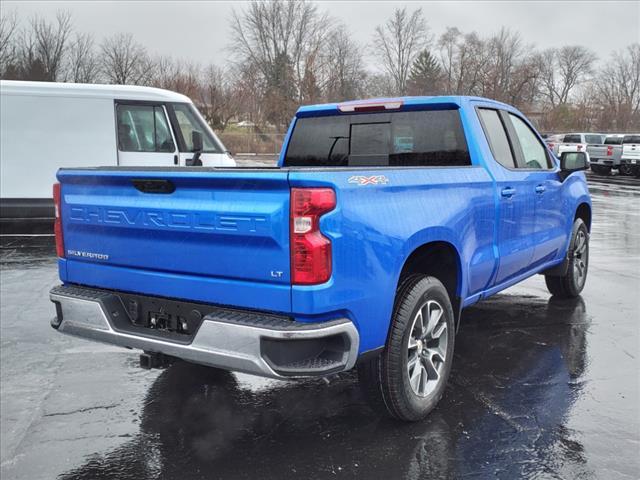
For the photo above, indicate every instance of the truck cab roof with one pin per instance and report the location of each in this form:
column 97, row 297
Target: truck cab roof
column 393, row 103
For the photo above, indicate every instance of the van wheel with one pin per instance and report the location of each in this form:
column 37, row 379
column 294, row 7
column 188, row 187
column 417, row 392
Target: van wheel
column 571, row 283
column 408, row 378
column 601, row 169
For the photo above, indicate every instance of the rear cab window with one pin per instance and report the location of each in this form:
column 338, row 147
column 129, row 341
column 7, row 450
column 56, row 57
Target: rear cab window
column 572, row 139
column 631, row 139
column 593, row 139
column 613, row 141
column 425, row 138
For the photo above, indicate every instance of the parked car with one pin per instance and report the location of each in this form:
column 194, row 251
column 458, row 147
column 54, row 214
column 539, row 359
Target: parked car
column 44, row 126
column 608, row 155
column 383, row 221
column 578, row 142
column 631, row 152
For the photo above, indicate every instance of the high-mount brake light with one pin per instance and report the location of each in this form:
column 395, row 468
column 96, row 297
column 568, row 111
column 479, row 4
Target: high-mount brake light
column 57, row 223
column 310, row 250
column 370, row 106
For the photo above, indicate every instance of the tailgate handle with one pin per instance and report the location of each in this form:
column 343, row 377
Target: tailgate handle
column 154, row 186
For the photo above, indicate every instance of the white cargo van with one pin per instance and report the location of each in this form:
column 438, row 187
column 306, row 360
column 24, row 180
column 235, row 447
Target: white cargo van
column 45, row 126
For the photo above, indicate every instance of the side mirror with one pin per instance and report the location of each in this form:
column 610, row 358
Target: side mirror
column 572, row 162
column 196, row 141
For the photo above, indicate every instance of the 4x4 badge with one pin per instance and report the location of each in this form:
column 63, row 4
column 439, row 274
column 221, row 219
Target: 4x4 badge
column 372, row 180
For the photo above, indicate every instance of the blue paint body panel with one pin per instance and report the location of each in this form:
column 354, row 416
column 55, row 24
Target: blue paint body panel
column 223, row 235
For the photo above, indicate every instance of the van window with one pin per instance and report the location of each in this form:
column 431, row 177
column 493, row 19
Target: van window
column 418, row 139
column 533, row 151
column 497, row 136
column 189, row 122
column 143, row 128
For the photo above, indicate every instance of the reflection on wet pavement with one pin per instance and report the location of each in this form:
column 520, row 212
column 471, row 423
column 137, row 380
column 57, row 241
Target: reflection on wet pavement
column 540, row 389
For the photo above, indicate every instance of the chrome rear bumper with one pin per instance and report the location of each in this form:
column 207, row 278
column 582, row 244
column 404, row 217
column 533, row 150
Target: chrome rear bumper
column 249, row 342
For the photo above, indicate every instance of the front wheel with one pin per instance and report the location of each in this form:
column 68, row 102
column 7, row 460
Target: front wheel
column 409, row 377
column 572, row 282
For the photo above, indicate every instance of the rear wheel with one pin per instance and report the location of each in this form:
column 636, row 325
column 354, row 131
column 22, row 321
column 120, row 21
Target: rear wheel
column 625, row 169
column 409, row 377
column 572, row 282
column 601, row 169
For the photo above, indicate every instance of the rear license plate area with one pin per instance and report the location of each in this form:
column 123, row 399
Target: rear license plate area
column 164, row 317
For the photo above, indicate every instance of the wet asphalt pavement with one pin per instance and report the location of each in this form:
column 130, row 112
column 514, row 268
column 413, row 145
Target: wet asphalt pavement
column 540, row 388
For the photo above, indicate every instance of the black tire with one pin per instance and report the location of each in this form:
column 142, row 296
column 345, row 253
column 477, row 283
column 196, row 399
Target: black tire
column 385, row 380
column 572, row 282
column 625, row 169
column 601, row 170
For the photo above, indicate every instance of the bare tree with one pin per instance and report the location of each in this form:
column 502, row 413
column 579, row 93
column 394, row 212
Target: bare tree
column 83, row 64
column 398, row 42
column 617, row 90
column 50, row 41
column 8, row 30
column 282, row 39
column 562, row 70
column 343, row 66
column 125, row 61
column 511, row 72
column 465, row 60
column 219, row 99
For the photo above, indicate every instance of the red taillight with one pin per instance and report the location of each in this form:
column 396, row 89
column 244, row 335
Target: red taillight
column 310, row 250
column 579, row 147
column 609, row 150
column 57, row 224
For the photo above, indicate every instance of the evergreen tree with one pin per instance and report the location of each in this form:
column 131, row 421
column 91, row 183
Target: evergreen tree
column 425, row 75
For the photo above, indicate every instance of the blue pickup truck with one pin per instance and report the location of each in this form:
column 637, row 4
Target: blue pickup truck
column 382, row 221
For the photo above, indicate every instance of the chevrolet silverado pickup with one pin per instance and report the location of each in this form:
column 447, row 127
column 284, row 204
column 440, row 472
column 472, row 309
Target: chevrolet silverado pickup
column 603, row 158
column 383, row 220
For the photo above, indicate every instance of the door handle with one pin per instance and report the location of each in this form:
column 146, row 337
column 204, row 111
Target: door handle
column 540, row 189
column 508, row 192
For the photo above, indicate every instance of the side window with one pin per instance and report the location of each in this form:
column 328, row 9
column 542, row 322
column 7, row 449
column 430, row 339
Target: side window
column 497, row 136
column 143, row 128
column 533, row 151
column 188, row 122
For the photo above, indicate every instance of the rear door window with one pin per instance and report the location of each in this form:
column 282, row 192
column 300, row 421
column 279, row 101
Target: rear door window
column 497, row 137
column 400, row 139
column 143, row 128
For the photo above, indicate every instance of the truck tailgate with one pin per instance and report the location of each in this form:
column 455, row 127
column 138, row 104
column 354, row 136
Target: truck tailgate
column 218, row 236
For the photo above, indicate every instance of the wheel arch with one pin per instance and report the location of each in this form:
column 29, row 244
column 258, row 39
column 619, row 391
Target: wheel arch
column 439, row 259
column 583, row 211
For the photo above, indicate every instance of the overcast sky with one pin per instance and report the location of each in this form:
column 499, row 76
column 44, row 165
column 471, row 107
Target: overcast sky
column 198, row 31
